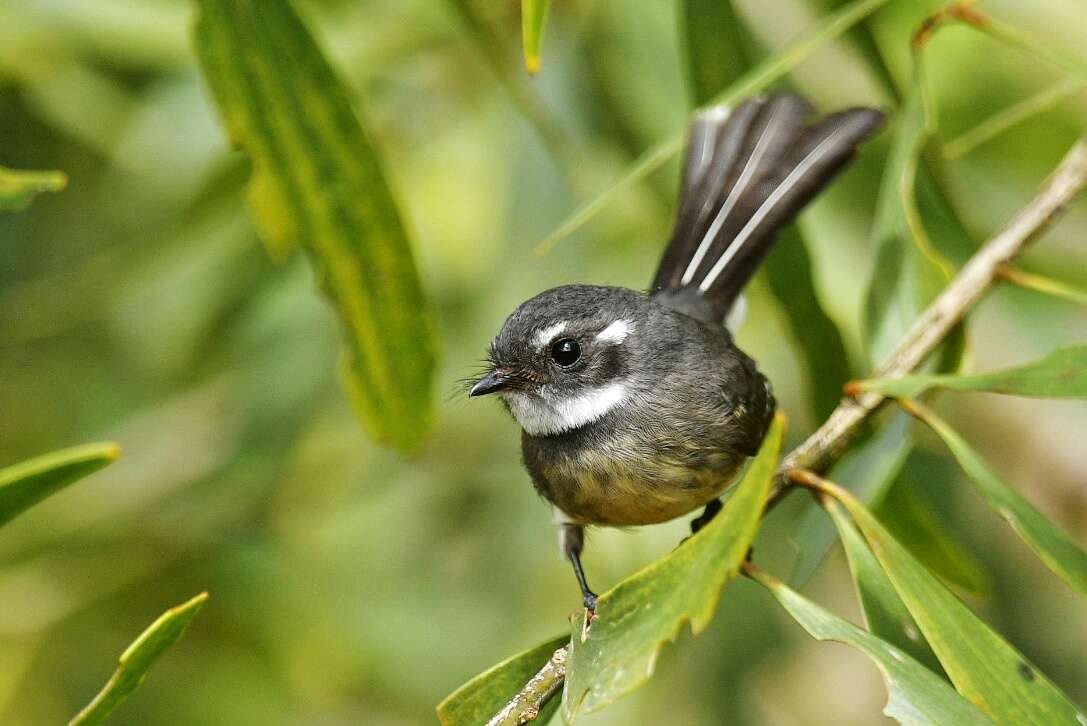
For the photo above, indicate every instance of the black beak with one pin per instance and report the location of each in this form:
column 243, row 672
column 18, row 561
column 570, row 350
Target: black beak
column 493, row 381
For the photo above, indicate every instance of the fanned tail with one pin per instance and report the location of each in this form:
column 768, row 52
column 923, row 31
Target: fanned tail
column 747, row 174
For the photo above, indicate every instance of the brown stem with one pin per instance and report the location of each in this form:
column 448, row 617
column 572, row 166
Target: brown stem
column 988, row 264
column 543, row 686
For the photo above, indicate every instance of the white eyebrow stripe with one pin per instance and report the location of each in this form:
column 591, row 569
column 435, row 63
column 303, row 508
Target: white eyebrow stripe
column 616, row 332
column 775, row 197
column 546, row 335
column 733, row 196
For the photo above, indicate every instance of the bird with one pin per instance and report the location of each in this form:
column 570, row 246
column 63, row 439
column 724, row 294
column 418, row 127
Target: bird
column 637, row 407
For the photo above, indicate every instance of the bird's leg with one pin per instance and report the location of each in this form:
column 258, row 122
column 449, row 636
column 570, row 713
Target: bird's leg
column 572, row 540
column 713, row 506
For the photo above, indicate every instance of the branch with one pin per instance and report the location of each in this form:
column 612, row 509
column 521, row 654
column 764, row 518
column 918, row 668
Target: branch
column 823, row 447
column 526, row 705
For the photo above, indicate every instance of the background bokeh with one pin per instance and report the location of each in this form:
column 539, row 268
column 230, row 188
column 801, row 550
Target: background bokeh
column 349, row 584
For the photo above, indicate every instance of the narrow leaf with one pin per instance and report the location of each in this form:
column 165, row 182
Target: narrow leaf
column 317, row 181
column 1013, row 115
column 18, row 188
column 915, row 695
column 884, row 612
column 1039, row 47
column 485, row 695
column 137, row 660
column 533, row 21
column 983, row 666
column 1046, row 285
column 867, row 470
column 931, row 541
column 933, row 197
column 27, row 483
column 717, row 48
column 1056, row 549
column 618, row 651
column 826, row 364
column 758, row 78
column 909, row 271
column 1061, row 374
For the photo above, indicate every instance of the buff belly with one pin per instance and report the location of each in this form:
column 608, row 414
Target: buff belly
column 622, row 491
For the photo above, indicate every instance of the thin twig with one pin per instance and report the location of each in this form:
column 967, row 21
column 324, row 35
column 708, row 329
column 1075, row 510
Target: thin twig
column 823, row 447
column 526, row 705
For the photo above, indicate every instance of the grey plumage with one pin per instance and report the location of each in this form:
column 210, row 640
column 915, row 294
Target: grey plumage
column 636, row 407
column 695, row 408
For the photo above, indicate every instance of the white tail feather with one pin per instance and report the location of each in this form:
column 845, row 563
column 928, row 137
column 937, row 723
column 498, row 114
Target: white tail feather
column 734, row 195
column 782, row 189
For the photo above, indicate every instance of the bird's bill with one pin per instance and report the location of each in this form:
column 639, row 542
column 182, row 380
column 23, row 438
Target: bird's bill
column 493, row 381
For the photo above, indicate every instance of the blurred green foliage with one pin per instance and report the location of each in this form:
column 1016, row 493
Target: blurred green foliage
column 352, row 585
column 18, row 187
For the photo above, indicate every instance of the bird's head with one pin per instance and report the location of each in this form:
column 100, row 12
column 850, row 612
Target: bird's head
column 563, row 358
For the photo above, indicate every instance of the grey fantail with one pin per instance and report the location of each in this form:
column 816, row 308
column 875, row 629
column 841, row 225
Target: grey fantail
column 637, row 408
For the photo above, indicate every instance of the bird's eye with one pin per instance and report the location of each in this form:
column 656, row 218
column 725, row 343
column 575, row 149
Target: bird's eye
column 565, row 352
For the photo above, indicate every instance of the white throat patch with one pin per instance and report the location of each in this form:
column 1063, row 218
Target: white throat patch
column 542, row 416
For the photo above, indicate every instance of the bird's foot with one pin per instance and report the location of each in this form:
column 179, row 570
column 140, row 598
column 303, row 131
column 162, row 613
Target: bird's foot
column 712, row 508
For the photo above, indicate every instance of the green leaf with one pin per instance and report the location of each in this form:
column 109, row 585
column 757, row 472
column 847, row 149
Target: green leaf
column 1056, row 549
column 1046, row 285
column 618, row 651
column 862, row 38
column 717, row 47
column 867, row 470
column 884, row 612
column 27, row 483
column 18, row 188
column 758, row 78
column 932, row 198
column 1013, row 115
column 983, row 666
column 1061, row 374
column 137, row 660
column 1015, row 36
column 533, row 22
column 915, row 695
column 485, row 695
column 913, row 523
column 317, row 181
column 826, row 364
column 909, row 271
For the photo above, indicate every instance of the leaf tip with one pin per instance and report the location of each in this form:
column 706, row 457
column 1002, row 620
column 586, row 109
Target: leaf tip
column 196, row 602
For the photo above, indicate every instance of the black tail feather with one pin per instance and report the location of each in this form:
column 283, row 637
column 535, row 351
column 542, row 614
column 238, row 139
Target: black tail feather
column 747, row 174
